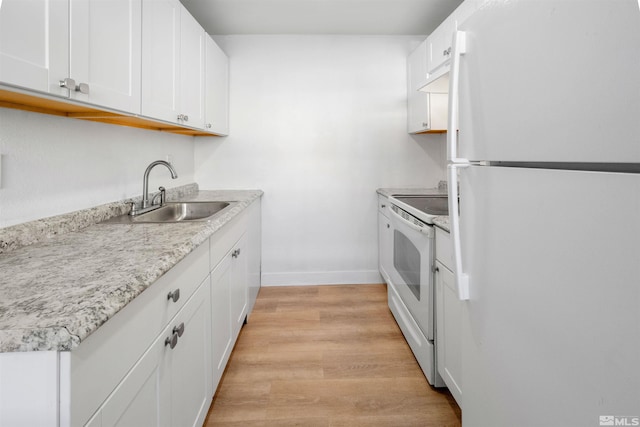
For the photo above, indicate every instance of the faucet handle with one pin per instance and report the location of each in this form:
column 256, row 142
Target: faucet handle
column 134, row 209
column 162, row 195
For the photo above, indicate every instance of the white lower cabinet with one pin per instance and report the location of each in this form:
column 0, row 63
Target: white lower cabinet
column 238, row 294
column 232, row 277
column 385, row 239
column 222, row 343
column 229, row 304
column 171, row 384
column 448, row 318
column 159, row 360
column 188, row 364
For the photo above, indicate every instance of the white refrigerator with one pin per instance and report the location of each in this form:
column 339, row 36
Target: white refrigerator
column 546, row 99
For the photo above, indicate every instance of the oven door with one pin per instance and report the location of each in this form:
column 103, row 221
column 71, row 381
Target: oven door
column 411, row 272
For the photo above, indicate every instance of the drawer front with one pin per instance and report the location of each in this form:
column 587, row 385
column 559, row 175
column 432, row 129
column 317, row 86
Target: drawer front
column 444, row 248
column 224, row 239
column 104, row 358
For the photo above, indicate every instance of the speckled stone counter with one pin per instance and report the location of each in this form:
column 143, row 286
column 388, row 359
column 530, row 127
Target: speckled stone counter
column 56, row 292
column 442, row 222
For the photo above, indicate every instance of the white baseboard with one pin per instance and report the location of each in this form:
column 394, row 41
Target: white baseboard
column 302, row 278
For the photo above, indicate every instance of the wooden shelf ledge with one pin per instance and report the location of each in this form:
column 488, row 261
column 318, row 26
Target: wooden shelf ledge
column 45, row 104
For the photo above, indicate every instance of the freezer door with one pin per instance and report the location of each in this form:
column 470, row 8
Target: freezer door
column 551, row 333
column 551, row 81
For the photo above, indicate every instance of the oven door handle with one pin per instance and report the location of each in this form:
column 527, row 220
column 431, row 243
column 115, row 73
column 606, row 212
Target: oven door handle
column 424, row 230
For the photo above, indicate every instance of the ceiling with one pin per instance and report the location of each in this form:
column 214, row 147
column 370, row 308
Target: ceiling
column 357, row 17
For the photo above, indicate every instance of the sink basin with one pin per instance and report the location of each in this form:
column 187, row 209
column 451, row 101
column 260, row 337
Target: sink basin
column 174, row 212
column 182, row 211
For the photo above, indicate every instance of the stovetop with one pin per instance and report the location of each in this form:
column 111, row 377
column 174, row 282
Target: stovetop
column 432, row 205
column 424, row 207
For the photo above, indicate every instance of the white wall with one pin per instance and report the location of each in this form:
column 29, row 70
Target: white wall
column 53, row 165
column 318, row 123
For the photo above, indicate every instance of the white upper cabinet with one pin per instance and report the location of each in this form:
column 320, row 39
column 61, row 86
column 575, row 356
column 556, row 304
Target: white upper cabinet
column 34, row 48
column 440, row 43
column 135, row 59
column 86, row 50
column 172, row 64
column 440, row 40
column 160, row 59
column 426, row 112
column 105, row 43
column 217, row 89
column 192, row 41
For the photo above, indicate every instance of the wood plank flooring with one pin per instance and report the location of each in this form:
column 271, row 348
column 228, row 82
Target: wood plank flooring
column 326, row 356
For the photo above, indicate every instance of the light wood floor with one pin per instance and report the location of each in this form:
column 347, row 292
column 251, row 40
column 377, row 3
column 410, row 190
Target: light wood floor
column 326, row 356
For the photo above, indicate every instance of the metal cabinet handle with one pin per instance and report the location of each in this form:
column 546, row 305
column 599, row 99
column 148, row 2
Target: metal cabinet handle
column 208, row 125
column 447, row 51
column 71, row 85
column 68, row 83
column 383, row 206
column 183, row 117
column 388, row 226
column 171, row 341
column 235, row 253
column 174, row 295
column 82, row 88
column 179, row 329
column 425, row 124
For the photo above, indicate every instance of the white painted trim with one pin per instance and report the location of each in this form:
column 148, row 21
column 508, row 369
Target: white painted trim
column 302, row 278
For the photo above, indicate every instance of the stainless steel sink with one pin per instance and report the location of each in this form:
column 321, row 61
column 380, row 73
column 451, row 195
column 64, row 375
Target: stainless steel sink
column 174, row 212
column 182, row 211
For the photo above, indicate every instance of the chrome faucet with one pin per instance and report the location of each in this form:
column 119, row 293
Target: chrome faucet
column 145, row 181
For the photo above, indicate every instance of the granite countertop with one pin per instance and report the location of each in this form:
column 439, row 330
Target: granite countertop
column 58, row 290
column 440, row 221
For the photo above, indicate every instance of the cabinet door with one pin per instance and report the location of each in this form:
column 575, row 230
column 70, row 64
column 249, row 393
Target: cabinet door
column 217, row 89
column 135, row 401
column 105, row 44
column 192, row 41
column 140, row 397
column 384, row 246
column 417, row 102
column 34, row 47
column 440, row 43
column 160, row 59
column 221, row 318
column 238, row 293
column 190, row 361
column 254, row 255
column 448, row 330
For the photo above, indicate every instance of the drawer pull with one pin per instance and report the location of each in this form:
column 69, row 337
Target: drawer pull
column 171, row 341
column 174, row 295
column 179, row 329
column 235, row 253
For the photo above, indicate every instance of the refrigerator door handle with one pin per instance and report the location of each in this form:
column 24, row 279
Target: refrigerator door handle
column 455, row 162
column 459, row 48
column 462, row 279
